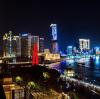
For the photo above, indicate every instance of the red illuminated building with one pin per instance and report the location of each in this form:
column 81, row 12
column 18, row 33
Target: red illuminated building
column 35, row 55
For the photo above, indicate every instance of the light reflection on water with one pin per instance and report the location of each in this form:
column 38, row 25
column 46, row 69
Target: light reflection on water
column 97, row 60
column 90, row 72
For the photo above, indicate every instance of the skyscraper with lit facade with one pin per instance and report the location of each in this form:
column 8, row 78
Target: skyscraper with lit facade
column 96, row 50
column 7, row 48
column 54, row 38
column 69, row 50
column 34, row 40
column 41, row 45
column 84, row 44
column 17, row 45
column 26, row 45
column 11, row 45
column 5, row 45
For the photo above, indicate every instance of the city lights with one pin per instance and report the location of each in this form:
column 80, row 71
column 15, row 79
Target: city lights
column 27, row 51
column 49, row 50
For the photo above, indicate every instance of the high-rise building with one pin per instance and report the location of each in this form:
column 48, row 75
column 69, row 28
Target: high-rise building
column 7, row 44
column 54, row 38
column 41, row 45
column 20, row 46
column 11, row 45
column 69, row 50
column 96, row 50
column 84, row 44
column 34, row 40
column 16, row 44
column 26, row 45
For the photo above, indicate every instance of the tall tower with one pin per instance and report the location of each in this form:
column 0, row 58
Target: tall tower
column 54, row 38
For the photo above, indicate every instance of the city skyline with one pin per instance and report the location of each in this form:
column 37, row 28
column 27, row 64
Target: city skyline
column 49, row 49
column 75, row 44
column 74, row 20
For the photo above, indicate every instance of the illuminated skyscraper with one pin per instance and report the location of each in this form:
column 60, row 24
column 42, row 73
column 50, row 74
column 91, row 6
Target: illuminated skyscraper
column 41, row 45
column 54, row 38
column 26, row 45
column 34, row 40
column 5, row 45
column 69, row 50
column 96, row 50
column 16, row 44
column 84, row 44
column 11, row 45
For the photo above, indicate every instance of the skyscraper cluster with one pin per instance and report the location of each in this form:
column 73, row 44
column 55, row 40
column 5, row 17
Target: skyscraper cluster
column 21, row 45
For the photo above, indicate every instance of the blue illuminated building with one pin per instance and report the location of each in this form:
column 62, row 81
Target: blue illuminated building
column 55, row 48
column 95, row 50
column 69, row 50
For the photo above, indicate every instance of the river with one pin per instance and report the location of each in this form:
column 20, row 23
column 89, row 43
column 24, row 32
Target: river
column 89, row 72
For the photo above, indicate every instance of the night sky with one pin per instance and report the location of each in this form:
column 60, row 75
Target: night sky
column 74, row 19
